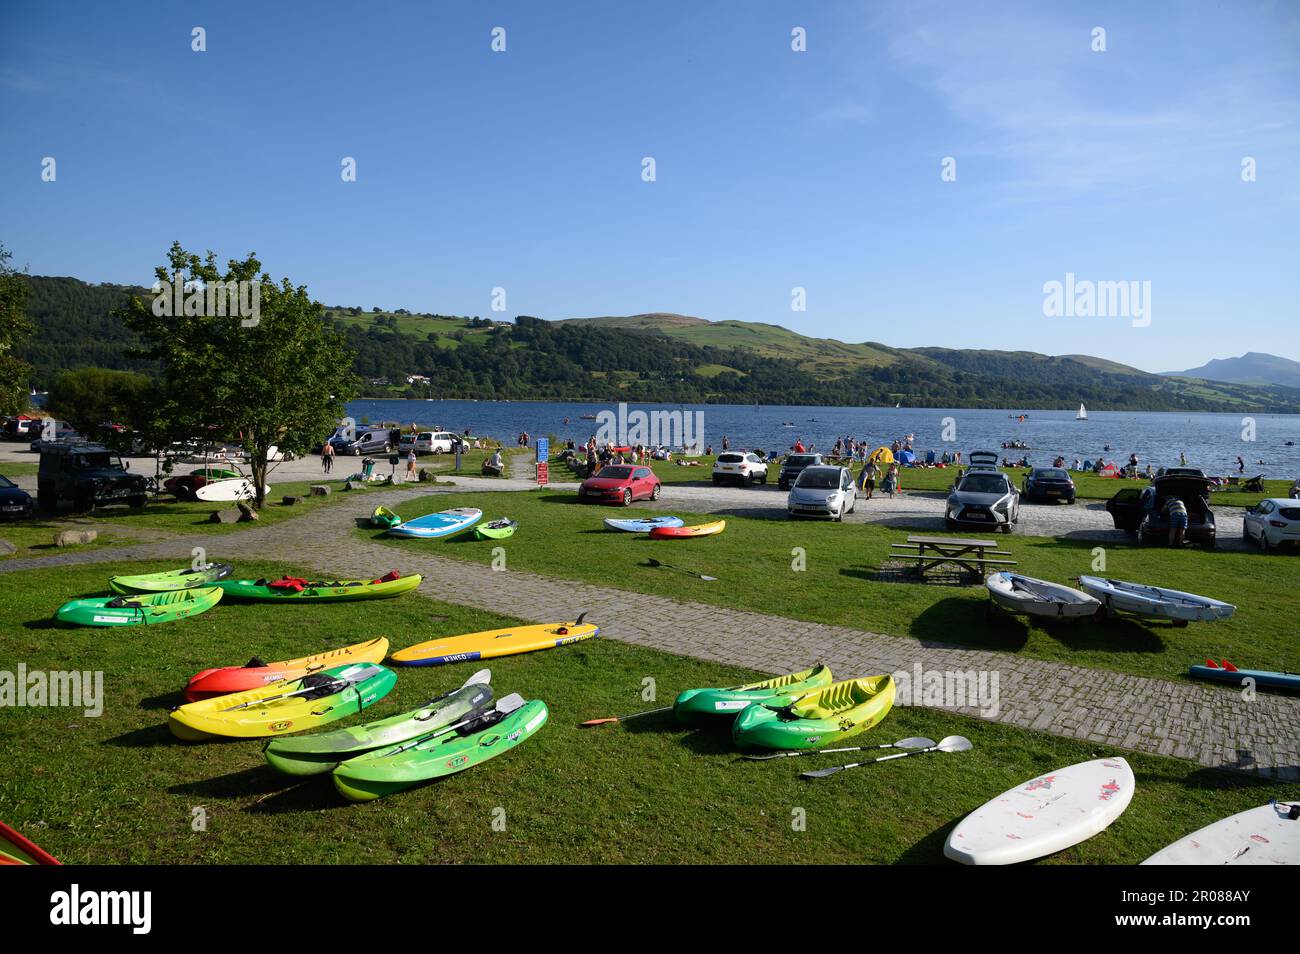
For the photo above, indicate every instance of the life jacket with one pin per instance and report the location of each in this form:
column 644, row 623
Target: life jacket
column 295, row 583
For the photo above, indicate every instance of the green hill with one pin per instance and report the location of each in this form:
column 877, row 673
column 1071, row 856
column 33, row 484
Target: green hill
column 658, row 357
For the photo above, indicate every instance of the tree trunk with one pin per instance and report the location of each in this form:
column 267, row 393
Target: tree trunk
column 257, row 464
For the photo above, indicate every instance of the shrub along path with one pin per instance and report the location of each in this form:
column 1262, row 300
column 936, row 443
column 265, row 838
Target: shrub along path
column 1212, row 725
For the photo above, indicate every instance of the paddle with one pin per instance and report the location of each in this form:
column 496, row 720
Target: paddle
column 334, row 685
column 953, row 743
column 481, row 678
column 668, row 566
column 913, row 743
column 505, row 706
column 624, row 718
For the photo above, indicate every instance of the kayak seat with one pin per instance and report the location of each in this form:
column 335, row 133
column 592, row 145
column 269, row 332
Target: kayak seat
column 827, row 702
column 121, row 602
column 786, row 680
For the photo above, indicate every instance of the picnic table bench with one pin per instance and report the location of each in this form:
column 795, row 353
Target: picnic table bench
column 972, row 555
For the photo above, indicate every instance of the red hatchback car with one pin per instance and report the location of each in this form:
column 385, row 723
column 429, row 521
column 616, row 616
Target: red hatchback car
column 621, row 483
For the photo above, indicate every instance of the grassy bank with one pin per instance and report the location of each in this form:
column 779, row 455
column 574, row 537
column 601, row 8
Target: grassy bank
column 118, row 789
column 754, row 558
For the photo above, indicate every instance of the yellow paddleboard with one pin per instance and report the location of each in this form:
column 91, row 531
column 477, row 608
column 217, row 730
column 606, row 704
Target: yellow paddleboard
column 495, row 642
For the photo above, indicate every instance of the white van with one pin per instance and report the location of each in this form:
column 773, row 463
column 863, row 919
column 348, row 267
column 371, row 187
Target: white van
column 429, row 442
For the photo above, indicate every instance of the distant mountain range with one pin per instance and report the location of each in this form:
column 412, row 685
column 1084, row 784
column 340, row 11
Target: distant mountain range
column 660, row 358
column 1253, row 367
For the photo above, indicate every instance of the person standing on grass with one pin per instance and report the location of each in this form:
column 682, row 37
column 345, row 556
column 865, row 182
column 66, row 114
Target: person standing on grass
column 1177, row 511
column 327, row 457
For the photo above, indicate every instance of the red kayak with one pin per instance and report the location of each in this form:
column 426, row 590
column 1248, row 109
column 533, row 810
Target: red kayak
column 17, row 850
column 699, row 530
column 220, row 682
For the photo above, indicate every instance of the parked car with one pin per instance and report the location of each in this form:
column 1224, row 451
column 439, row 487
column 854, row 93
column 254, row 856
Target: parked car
column 1141, row 511
column 429, row 442
column 21, row 428
column 740, row 466
column 983, row 498
column 621, row 483
column 366, row 441
column 793, row 465
column 63, row 434
column 87, row 476
column 1048, row 483
column 14, row 501
column 982, row 460
column 1273, row 523
column 822, row 491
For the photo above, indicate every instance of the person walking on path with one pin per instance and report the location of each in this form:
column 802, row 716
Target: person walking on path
column 327, row 457
column 410, row 465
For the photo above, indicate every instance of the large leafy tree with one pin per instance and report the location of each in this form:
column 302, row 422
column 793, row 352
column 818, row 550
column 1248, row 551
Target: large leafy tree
column 14, row 329
column 281, row 381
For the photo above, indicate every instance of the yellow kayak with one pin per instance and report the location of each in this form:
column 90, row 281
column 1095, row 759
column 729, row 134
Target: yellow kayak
column 283, row 707
column 699, row 530
column 495, row 642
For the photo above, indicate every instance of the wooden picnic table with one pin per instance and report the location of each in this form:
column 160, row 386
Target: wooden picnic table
column 972, row 555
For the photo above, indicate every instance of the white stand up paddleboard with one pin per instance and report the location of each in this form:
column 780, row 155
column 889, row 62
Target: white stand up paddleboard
column 236, row 488
column 1268, row 835
column 1044, row 815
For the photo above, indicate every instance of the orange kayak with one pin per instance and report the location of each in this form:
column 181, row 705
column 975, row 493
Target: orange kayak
column 17, row 850
column 219, row 682
column 699, row 530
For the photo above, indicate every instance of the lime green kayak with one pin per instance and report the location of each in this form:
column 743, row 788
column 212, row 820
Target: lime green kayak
column 298, row 590
column 727, row 702
column 216, row 473
column 317, row 754
column 383, row 517
column 393, row 769
column 496, row 530
column 169, row 580
column 140, row 609
column 829, row 714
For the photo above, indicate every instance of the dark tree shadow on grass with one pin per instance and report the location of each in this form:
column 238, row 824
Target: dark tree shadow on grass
column 954, row 622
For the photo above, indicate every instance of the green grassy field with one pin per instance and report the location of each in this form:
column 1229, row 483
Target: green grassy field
column 560, row 537
column 22, row 468
column 118, row 788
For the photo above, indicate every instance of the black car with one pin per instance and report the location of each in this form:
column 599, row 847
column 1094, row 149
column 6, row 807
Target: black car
column 87, row 476
column 1141, row 511
column 14, row 501
column 793, row 466
column 1048, row 484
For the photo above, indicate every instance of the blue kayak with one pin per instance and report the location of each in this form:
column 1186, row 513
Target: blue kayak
column 1262, row 677
column 643, row 525
column 441, row 524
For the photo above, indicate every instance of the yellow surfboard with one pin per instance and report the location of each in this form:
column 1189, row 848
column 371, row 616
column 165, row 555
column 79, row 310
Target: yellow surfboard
column 495, row 642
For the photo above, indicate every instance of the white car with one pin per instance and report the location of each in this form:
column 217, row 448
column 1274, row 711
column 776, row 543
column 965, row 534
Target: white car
column 740, row 466
column 1272, row 523
column 822, row 491
column 429, row 442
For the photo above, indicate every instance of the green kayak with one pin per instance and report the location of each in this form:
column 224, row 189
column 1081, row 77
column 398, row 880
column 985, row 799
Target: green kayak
column 383, row 517
column 216, row 473
column 496, row 530
column 169, row 580
column 694, row 703
column 316, row 754
column 292, row 589
column 824, row 715
column 140, row 609
column 385, row 771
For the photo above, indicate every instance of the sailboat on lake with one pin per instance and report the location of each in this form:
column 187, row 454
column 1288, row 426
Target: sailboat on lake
column 1083, row 413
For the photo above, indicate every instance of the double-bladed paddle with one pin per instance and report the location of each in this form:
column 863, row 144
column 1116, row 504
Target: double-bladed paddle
column 504, row 707
column 680, row 569
column 952, row 743
column 481, row 678
column 913, row 743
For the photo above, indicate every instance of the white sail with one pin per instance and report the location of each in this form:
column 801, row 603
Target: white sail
column 1082, row 415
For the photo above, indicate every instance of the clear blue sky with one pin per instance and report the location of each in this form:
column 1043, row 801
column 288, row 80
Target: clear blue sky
column 775, row 169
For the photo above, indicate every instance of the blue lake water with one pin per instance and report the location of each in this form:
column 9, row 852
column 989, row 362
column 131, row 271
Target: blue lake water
column 1210, row 441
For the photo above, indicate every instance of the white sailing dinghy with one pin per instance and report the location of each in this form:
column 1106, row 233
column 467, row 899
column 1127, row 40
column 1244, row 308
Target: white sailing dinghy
column 1121, row 597
column 1024, row 594
column 1083, row 413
